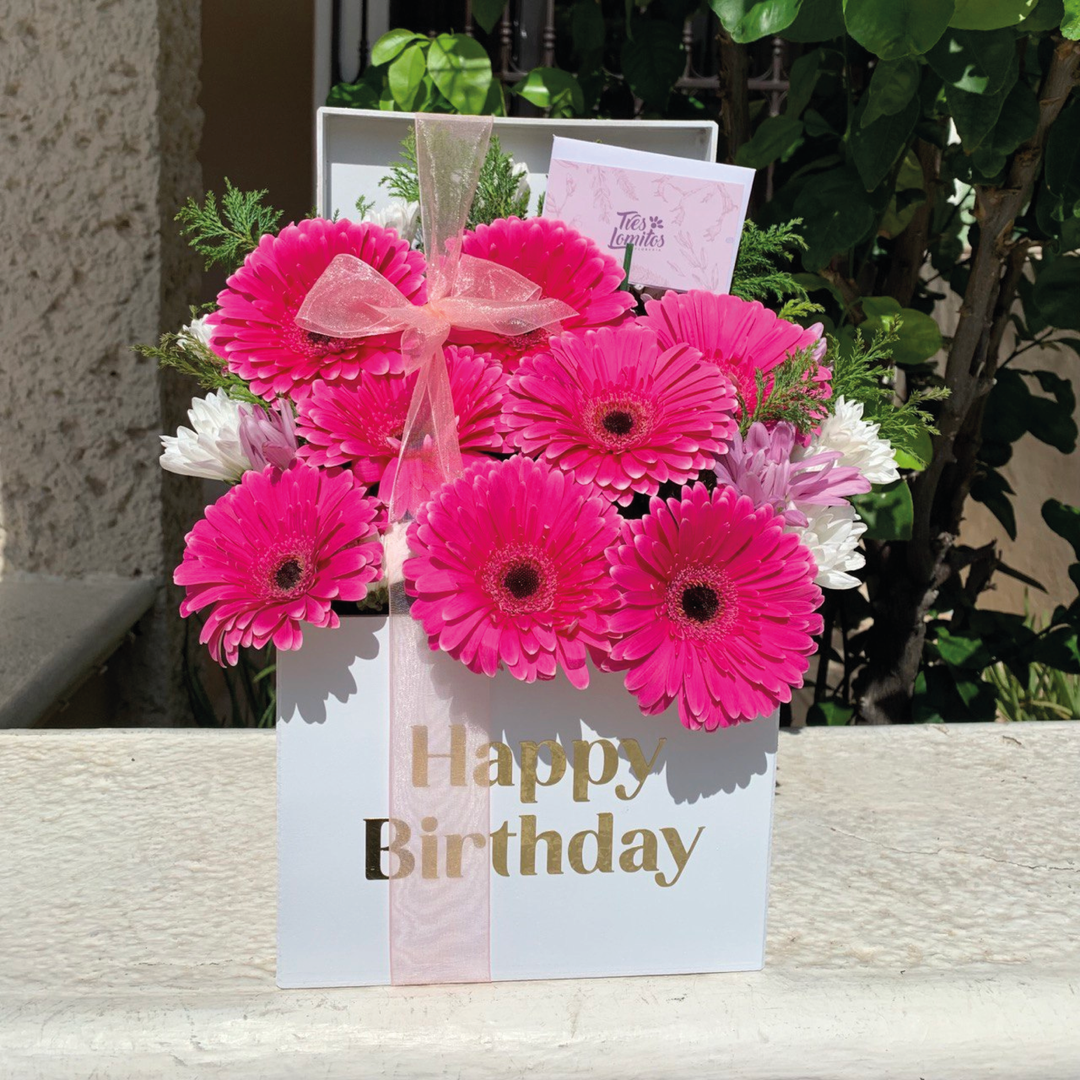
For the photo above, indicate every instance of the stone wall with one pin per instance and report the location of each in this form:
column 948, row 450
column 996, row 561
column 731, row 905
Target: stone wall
column 100, row 132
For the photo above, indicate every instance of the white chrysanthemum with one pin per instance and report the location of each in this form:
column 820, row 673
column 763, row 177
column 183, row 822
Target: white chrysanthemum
column 521, row 171
column 196, row 329
column 212, row 450
column 398, row 214
column 832, row 535
column 858, row 441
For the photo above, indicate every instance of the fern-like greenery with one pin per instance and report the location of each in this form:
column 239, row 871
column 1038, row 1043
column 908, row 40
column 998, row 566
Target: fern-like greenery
column 786, row 399
column 499, row 190
column 761, row 272
column 863, row 372
column 225, row 235
column 185, row 353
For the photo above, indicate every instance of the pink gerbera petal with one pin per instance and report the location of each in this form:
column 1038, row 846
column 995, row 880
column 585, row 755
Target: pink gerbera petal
column 566, row 265
column 614, row 409
column 254, row 329
column 700, row 627
column 740, row 336
column 509, row 570
column 273, row 552
column 360, row 423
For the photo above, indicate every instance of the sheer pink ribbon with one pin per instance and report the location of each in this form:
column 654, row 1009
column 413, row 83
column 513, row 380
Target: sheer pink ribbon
column 440, row 921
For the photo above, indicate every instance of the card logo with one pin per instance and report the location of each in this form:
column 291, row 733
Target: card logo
column 644, row 231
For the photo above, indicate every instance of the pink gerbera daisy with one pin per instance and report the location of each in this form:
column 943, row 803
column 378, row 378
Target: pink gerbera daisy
column 273, row 552
column 742, row 337
column 360, row 423
column 760, row 466
column 613, row 408
column 718, row 608
column 254, row 329
column 509, row 569
column 566, row 265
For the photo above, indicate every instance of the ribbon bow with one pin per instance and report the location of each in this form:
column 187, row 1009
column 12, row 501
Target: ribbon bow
column 352, row 299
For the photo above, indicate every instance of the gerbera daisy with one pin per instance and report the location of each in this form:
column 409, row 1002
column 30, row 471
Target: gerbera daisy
column 718, row 608
column 566, row 265
column 741, row 336
column 770, row 468
column 273, row 552
column 254, row 329
column 613, row 408
column 509, row 569
column 360, row 423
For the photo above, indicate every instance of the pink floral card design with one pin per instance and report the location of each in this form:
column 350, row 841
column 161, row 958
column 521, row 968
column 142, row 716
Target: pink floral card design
column 683, row 217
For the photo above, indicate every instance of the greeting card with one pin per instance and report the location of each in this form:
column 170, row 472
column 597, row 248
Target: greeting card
column 683, row 218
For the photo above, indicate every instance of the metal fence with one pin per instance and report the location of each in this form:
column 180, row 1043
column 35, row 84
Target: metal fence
column 526, row 37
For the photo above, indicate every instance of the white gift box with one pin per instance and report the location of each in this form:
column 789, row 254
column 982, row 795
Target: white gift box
column 706, row 803
column 354, row 148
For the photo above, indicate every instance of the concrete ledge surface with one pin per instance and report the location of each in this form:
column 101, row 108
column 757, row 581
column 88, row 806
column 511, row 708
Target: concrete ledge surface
column 55, row 631
column 922, row 924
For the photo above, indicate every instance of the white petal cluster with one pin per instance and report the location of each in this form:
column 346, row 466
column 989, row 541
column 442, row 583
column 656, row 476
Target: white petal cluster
column 210, row 448
column 196, row 329
column 832, row 535
column 858, row 441
column 521, row 171
column 402, row 216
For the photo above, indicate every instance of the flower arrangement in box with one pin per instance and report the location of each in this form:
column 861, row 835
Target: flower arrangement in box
column 659, row 486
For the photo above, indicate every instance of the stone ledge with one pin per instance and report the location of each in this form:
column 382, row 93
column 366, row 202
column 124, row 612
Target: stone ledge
column 921, row 924
column 54, row 632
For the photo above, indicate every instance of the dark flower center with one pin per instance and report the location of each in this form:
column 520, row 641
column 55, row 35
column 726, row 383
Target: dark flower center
column 700, row 603
column 618, row 422
column 522, row 581
column 317, row 339
column 288, row 575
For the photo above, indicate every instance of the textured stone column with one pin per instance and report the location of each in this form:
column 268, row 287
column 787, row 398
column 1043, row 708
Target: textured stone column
column 99, row 129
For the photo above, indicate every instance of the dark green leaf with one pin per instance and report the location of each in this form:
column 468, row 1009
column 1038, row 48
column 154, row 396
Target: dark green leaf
column 1063, row 162
column 405, row 75
column 1057, row 291
column 975, row 61
column 990, row 14
column 390, row 44
column 993, row 491
column 892, row 86
column 975, row 114
column 918, row 335
column 1058, row 650
column 837, row 213
column 554, row 89
column 1016, row 124
column 777, row 136
column 804, row 76
column 352, row 96
column 894, row 28
column 887, row 511
column 876, row 147
column 653, row 60
column 587, row 28
column 1046, row 16
column 750, row 20
column 487, row 12
column 818, row 20
column 833, row 713
column 914, row 450
column 1064, row 520
column 462, row 72
column 962, row 651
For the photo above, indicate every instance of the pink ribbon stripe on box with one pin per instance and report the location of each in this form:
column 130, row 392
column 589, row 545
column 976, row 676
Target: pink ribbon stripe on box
column 439, row 923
